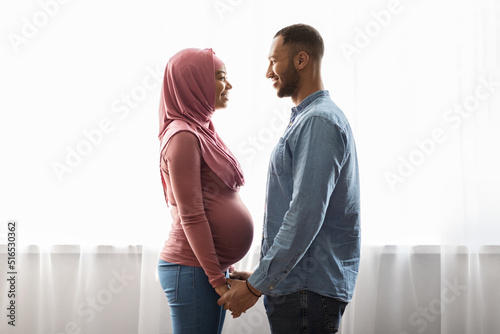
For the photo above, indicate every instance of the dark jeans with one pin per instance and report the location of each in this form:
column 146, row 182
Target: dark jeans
column 303, row 312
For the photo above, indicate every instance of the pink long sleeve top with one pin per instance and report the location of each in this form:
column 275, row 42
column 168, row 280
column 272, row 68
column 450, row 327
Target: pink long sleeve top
column 211, row 227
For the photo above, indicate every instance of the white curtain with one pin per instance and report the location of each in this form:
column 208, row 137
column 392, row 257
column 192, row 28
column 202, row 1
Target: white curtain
column 418, row 80
column 112, row 289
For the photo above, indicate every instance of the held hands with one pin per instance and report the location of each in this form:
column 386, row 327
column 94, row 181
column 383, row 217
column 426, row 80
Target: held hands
column 239, row 298
column 242, row 275
column 222, row 289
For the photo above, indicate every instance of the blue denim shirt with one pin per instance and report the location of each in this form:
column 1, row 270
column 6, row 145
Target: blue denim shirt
column 311, row 238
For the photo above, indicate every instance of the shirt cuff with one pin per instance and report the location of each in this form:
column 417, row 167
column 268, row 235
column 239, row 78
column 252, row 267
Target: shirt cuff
column 260, row 281
column 218, row 281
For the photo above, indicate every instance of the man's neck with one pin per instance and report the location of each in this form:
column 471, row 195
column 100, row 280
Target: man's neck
column 306, row 89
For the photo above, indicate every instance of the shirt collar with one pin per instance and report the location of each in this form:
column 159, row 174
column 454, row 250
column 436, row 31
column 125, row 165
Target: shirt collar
column 308, row 100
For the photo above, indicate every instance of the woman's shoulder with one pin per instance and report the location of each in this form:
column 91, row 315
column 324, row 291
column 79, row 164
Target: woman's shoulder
column 184, row 137
column 179, row 131
column 183, row 142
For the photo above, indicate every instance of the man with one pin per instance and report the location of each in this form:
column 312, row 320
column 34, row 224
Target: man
column 311, row 242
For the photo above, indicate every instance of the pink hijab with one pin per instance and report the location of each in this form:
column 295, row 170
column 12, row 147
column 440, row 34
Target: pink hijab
column 187, row 104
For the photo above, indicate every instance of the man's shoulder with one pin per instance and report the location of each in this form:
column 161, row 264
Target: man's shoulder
column 323, row 107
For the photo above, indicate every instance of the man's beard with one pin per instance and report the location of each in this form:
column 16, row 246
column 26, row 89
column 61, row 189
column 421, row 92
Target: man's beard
column 289, row 81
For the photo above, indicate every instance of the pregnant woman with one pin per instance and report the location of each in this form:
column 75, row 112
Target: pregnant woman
column 212, row 228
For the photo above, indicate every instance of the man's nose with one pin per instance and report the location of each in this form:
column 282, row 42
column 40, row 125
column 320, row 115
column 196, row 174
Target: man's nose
column 270, row 72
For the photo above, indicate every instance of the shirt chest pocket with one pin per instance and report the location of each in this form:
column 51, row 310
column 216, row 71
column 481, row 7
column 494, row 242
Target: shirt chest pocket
column 277, row 157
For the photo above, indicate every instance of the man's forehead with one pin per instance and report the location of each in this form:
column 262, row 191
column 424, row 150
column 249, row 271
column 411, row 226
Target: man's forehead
column 276, row 46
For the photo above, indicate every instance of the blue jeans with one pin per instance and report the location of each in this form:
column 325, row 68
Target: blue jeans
column 303, row 312
column 192, row 300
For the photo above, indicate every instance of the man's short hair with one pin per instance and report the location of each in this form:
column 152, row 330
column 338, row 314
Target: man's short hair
column 302, row 37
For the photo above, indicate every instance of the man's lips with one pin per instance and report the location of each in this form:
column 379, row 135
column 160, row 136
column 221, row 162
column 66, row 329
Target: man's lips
column 275, row 81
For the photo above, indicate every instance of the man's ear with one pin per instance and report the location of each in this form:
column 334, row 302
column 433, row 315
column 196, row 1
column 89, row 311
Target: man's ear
column 301, row 60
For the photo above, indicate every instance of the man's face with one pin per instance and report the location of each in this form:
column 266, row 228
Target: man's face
column 281, row 69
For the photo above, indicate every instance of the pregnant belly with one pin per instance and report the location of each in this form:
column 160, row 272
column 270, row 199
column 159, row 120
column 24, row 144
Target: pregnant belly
column 232, row 228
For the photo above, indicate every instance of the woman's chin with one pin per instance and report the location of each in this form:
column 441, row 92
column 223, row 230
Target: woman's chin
column 221, row 106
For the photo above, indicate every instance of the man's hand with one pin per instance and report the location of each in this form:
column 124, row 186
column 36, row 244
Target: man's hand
column 240, row 274
column 239, row 298
column 222, row 289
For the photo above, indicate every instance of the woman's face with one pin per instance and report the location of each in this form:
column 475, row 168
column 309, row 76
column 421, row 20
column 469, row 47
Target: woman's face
column 222, row 87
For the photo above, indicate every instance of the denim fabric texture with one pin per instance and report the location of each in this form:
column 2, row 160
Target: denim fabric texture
column 304, row 312
column 311, row 230
column 192, row 300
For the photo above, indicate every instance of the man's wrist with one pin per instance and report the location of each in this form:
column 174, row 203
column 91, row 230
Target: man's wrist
column 253, row 290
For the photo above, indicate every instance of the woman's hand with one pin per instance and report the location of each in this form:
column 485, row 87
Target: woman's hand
column 241, row 275
column 222, row 289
